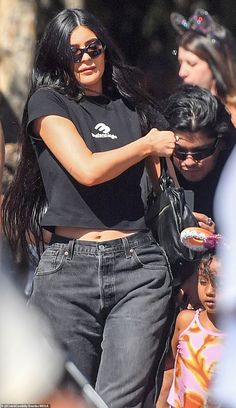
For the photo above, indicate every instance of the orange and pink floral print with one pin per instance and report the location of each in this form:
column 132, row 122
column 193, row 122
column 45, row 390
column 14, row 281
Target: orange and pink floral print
column 198, row 352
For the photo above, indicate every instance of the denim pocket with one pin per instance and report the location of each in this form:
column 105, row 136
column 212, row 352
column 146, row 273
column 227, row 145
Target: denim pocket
column 51, row 261
column 149, row 256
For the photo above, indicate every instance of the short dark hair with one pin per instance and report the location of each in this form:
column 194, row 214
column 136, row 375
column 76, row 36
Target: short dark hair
column 192, row 109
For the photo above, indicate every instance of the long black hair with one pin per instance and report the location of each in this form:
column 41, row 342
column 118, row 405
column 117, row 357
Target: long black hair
column 25, row 200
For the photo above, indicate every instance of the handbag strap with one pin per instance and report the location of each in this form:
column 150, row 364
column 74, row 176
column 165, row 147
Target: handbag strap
column 168, row 175
column 159, row 170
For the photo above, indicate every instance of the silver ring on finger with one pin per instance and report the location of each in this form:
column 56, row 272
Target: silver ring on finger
column 209, row 221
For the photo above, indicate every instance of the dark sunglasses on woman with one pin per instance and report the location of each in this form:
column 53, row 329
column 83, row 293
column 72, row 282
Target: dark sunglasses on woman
column 94, row 49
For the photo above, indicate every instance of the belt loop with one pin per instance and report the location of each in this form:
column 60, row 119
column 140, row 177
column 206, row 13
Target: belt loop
column 126, row 246
column 71, row 248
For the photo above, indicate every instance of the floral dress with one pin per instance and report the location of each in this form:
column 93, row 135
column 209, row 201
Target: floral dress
column 198, row 352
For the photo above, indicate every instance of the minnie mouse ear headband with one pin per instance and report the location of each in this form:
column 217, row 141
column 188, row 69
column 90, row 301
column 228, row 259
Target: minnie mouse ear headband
column 200, row 22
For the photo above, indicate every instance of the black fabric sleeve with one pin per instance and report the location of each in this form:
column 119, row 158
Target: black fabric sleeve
column 45, row 102
column 155, row 118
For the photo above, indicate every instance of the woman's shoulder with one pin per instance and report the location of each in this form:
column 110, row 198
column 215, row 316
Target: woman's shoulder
column 47, row 101
column 47, row 93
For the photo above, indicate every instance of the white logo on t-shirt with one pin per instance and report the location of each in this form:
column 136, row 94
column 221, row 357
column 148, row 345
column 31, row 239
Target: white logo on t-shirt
column 104, row 131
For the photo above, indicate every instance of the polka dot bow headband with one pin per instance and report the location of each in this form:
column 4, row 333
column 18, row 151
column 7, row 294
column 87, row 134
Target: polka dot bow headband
column 201, row 22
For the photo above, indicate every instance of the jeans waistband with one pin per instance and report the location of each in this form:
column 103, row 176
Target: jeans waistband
column 132, row 240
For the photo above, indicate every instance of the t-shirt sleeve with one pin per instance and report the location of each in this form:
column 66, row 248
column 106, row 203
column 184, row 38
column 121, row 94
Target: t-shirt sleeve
column 45, row 102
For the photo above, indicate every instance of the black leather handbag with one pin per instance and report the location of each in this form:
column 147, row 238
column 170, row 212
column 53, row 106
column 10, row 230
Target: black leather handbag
column 167, row 215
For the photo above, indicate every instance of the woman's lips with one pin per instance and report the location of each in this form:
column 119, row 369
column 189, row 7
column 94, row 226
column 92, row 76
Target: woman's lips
column 86, row 70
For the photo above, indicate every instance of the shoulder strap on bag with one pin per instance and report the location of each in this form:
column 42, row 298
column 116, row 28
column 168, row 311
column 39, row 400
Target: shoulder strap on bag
column 167, row 167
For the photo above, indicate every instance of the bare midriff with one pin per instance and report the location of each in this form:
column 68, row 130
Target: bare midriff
column 91, row 235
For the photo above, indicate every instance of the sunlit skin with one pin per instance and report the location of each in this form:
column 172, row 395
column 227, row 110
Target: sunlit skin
column 195, row 71
column 191, row 169
column 207, row 292
column 207, row 286
column 207, row 274
column 89, row 71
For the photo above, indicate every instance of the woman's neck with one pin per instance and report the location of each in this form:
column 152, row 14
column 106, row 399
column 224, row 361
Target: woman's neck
column 93, row 91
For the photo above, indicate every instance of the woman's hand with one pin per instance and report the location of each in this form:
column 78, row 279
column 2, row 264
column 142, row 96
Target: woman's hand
column 205, row 222
column 162, row 143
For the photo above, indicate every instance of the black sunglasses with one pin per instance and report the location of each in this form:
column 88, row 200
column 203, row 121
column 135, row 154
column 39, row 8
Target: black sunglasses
column 198, row 155
column 94, row 49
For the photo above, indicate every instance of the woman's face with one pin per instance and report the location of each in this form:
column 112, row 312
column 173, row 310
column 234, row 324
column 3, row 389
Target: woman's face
column 189, row 165
column 195, row 71
column 90, row 69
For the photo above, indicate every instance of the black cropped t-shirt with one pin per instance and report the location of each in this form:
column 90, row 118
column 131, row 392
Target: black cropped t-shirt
column 104, row 124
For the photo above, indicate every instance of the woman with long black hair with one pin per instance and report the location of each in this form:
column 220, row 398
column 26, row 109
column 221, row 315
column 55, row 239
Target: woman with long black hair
column 103, row 281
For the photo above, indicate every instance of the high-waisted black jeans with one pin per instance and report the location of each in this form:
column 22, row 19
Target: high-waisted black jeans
column 108, row 303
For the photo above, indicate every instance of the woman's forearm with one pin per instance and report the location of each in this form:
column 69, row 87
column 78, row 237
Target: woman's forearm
column 88, row 168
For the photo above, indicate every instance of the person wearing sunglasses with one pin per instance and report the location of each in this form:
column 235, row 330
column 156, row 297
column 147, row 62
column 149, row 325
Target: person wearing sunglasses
column 205, row 137
column 103, row 281
column 94, row 49
column 196, row 154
